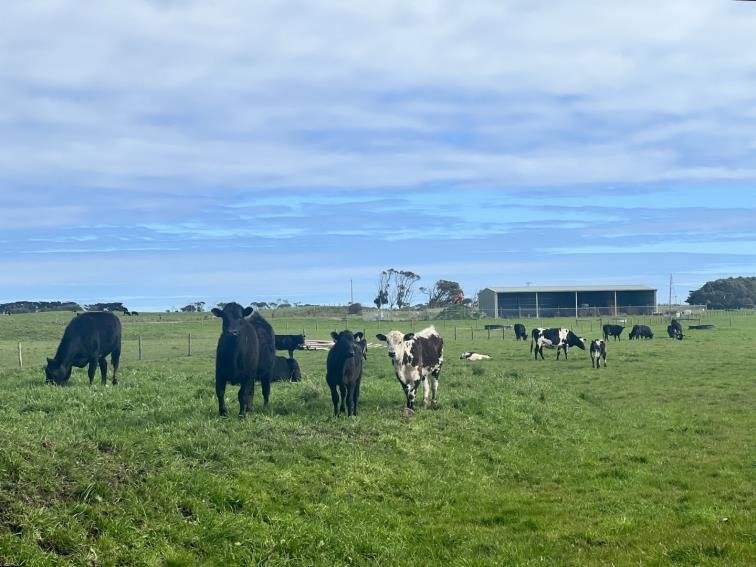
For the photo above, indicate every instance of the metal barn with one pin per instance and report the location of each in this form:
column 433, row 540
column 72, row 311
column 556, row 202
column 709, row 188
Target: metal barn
column 564, row 301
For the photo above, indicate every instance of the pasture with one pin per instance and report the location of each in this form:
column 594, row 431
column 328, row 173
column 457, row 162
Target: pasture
column 648, row 461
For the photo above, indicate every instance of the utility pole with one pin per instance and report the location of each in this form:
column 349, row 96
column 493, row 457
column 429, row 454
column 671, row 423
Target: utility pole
column 351, row 292
column 670, row 292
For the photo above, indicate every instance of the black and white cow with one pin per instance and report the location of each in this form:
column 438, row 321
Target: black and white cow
column 87, row 340
column 344, row 371
column 520, row 332
column 417, row 358
column 561, row 339
column 674, row 330
column 641, row 332
column 246, row 350
column 612, row 331
column 290, row 343
column 598, row 353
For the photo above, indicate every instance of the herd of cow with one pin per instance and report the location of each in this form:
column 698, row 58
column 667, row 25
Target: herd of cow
column 247, row 351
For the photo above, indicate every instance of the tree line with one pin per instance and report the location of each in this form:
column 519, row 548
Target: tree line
column 726, row 293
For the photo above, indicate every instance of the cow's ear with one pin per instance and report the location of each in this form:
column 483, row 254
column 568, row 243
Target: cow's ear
column 217, row 312
column 380, row 337
column 334, row 336
column 358, row 335
column 409, row 336
column 248, row 311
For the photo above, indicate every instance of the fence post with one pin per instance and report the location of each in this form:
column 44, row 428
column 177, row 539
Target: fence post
column 189, row 346
column 489, row 333
column 140, row 347
column 20, row 357
column 472, row 334
column 455, row 332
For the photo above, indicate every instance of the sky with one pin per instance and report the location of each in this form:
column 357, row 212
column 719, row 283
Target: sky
column 160, row 153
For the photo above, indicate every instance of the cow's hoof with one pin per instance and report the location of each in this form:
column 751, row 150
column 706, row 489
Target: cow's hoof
column 407, row 412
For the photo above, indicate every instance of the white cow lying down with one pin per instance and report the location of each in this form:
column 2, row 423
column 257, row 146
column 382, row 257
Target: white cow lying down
column 474, row 356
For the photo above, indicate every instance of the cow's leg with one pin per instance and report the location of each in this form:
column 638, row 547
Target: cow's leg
column 246, row 392
column 103, row 370
column 434, row 386
column 115, row 359
column 91, row 370
column 220, row 392
column 356, row 397
column 335, row 399
column 265, row 386
column 350, row 399
column 426, row 391
column 343, row 392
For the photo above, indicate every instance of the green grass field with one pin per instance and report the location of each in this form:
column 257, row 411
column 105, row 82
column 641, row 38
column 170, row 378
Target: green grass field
column 649, row 461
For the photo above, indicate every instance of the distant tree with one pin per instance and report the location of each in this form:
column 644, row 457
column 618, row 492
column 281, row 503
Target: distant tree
column 354, row 309
column 402, row 292
column 727, row 293
column 384, row 280
column 200, row 306
column 446, row 292
column 114, row 306
column 259, row 304
column 191, row 308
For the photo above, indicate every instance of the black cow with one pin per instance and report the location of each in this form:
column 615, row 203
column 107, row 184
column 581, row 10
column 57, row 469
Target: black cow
column 286, row 369
column 674, row 330
column 246, row 350
column 416, row 356
column 641, row 332
column 290, row 343
column 562, row 339
column 598, row 353
column 520, row 332
column 87, row 339
column 344, row 371
column 612, row 331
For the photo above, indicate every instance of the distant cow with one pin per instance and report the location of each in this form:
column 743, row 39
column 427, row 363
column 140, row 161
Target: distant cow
column 415, row 357
column 290, row 343
column 286, row 369
column 641, row 332
column 612, row 331
column 87, row 339
column 598, row 353
column 561, row 339
column 344, row 371
column 520, row 332
column 674, row 330
column 474, row 356
column 246, row 350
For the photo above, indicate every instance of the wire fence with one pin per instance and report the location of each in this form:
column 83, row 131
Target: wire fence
column 161, row 342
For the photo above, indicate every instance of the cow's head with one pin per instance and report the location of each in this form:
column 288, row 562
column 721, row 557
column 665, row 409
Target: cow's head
column 233, row 315
column 394, row 341
column 56, row 373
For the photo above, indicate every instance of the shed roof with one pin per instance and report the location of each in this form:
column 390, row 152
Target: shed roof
column 570, row 289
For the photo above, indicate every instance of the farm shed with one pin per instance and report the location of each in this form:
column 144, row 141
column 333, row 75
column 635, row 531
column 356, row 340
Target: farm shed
column 566, row 301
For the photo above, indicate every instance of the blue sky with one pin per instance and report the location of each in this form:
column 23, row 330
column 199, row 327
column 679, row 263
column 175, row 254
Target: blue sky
column 165, row 152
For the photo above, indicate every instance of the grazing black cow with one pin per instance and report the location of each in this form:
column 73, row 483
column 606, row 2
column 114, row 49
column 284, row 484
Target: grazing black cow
column 641, row 332
column 290, row 343
column 246, row 350
column 562, row 339
column 286, row 369
column 88, row 339
column 415, row 357
column 674, row 330
column 612, row 331
column 598, row 353
column 520, row 332
column 344, row 371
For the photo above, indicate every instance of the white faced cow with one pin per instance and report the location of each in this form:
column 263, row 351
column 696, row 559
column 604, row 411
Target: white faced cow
column 415, row 357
